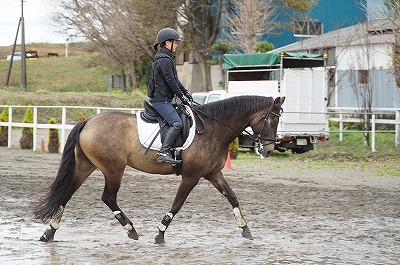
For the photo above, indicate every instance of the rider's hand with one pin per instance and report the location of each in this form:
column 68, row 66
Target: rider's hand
column 190, row 98
column 185, row 100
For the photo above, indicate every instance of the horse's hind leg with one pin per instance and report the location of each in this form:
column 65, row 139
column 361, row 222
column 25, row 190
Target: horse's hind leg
column 48, row 235
column 110, row 199
column 220, row 183
column 83, row 170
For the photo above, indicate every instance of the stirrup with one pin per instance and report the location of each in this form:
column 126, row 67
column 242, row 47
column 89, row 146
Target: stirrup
column 166, row 158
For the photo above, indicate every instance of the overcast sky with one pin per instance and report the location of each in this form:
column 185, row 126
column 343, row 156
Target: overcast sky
column 37, row 22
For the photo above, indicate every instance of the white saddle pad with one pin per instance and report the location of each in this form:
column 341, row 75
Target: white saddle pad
column 147, row 131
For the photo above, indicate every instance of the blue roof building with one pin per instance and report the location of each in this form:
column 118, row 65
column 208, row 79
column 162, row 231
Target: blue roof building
column 328, row 15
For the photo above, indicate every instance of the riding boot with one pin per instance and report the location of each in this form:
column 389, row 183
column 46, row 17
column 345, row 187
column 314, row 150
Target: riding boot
column 164, row 156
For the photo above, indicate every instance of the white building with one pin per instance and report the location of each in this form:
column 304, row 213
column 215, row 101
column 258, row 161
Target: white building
column 361, row 63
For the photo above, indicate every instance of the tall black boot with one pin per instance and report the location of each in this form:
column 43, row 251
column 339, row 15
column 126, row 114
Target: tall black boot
column 164, row 156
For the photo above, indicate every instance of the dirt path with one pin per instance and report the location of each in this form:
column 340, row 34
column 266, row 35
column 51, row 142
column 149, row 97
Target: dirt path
column 298, row 214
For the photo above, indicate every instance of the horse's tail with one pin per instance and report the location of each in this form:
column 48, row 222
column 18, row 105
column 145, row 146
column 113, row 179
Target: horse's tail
column 63, row 183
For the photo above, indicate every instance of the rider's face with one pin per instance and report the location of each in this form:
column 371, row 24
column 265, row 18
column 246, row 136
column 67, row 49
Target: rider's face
column 168, row 45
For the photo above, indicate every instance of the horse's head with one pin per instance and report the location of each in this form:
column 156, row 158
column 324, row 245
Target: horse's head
column 265, row 127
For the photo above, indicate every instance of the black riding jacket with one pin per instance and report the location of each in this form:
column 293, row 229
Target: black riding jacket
column 165, row 76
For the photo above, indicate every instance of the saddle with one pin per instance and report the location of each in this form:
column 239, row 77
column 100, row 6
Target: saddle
column 152, row 127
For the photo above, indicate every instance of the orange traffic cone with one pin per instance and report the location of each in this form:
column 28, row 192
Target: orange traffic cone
column 42, row 146
column 228, row 165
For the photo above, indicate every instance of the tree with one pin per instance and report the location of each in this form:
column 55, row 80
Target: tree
column 361, row 79
column 249, row 21
column 202, row 22
column 123, row 30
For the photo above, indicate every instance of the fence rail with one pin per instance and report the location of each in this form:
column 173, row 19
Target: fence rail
column 340, row 115
column 63, row 126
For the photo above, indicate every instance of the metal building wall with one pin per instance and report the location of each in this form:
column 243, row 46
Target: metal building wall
column 385, row 92
column 334, row 14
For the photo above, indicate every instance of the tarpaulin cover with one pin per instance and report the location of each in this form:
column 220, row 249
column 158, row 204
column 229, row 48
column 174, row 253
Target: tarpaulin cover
column 262, row 59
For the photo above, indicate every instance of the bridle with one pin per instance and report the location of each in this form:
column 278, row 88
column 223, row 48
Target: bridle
column 259, row 138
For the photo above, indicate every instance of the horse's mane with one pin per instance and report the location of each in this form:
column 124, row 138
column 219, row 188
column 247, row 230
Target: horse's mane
column 243, row 104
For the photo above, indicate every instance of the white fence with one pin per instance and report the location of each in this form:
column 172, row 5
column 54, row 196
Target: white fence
column 353, row 115
column 340, row 115
column 64, row 127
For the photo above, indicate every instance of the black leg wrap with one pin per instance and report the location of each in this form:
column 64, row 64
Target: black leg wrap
column 122, row 219
column 166, row 220
column 163, row 226
column 127, row 224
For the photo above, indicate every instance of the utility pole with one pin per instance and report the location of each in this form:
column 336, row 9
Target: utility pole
column 23, row 53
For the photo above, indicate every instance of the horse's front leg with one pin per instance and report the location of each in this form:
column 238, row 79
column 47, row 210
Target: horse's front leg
column 185, row 187
column 219, row 182
column 110, row 199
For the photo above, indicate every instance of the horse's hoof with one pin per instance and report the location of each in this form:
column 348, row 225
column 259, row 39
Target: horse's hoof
column 160, row 237
column 48, row 235
column 133, row 235
column 246, row 233
column 159, row 240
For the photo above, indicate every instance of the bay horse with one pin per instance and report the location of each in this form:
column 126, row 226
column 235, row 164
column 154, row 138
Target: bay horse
column 109, row 141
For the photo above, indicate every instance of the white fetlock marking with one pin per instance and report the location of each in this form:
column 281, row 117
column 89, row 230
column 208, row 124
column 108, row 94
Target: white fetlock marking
column 56, row 219
column 161, row 227
column 239, row 217
column 128, row 227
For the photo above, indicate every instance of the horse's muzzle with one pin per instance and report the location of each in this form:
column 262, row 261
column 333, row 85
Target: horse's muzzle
column 266, row 150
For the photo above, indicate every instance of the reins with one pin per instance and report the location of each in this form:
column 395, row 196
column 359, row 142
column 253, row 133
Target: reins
column 244, row 132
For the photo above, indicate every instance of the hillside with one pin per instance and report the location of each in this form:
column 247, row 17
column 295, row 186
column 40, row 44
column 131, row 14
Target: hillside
column 79, row 79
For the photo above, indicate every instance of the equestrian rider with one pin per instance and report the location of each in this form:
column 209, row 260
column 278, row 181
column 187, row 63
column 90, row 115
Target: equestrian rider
column 166, row 87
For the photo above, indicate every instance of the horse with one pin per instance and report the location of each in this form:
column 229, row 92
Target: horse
column 108, row 141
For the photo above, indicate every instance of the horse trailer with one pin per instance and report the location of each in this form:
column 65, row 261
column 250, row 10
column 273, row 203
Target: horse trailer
column 301, row 78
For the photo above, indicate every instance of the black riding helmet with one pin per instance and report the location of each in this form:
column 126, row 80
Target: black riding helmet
column 167, row 34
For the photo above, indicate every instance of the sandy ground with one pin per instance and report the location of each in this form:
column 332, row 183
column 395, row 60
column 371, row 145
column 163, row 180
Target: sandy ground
column 298, row 214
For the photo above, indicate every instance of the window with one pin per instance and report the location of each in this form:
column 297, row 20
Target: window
column 363, row 76
column 308, row 28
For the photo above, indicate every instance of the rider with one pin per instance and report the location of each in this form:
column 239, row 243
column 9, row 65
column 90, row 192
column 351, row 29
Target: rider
column 166, row 86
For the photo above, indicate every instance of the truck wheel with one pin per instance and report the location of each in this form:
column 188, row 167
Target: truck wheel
column 298, row 151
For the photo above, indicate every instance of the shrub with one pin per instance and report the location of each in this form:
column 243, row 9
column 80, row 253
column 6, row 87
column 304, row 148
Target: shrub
column 26, row 141
column 234, row 148
column 3, row 129
column 54, row 141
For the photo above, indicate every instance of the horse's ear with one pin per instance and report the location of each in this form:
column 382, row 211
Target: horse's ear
column 279, row 101
column 282, row 100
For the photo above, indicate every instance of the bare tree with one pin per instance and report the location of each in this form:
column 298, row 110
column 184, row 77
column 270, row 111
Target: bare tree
column 124, row 30
column 360, row 77
column 203, row 20
column 249, row 22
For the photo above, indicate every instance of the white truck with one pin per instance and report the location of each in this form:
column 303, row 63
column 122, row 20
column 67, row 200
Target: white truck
column 301, row 78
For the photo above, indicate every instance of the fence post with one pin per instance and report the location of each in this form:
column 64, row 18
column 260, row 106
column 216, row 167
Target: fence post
column 63, row 122
column 397, row 128
column 9, row 126
column 373, row 134
column 340, row 126
column 34, row 128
